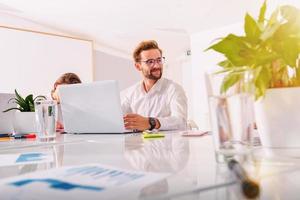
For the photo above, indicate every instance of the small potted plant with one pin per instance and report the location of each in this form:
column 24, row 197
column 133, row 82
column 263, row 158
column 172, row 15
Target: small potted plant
column 24, row 120
column 271, row 48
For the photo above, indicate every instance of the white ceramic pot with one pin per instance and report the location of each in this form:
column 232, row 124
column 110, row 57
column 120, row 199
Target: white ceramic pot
column 278, row 117
column 24, row 122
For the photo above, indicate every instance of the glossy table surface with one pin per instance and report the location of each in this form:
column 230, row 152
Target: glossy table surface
column 194, row 173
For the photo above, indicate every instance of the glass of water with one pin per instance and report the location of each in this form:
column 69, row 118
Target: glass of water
column 45, row 114
column 231, row 107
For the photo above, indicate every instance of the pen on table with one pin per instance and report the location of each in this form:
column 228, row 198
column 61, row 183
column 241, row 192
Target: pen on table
column 249, row 187
column 25, row 136
column 2, row 135
column 5, row 137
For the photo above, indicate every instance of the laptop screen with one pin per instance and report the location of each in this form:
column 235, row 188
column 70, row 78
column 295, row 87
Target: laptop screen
column 92, row 107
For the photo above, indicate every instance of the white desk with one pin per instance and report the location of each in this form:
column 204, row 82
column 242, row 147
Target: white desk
column 190, row 160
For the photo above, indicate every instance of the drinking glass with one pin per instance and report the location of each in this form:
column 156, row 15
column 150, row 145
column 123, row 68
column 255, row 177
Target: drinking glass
column 45, row 113
column 231, row 109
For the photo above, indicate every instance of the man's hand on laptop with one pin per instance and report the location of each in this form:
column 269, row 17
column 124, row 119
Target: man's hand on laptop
column 136, row 122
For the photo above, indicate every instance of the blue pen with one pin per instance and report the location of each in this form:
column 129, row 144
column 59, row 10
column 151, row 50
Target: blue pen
column 4, row 135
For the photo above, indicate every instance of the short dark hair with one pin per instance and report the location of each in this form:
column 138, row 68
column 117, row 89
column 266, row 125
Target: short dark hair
column 144, row 46
column 68, row 78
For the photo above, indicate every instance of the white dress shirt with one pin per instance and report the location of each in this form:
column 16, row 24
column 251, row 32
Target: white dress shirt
column 166, row 101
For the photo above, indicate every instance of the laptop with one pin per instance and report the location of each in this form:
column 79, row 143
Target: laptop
column 6, row 118
column 92, row 107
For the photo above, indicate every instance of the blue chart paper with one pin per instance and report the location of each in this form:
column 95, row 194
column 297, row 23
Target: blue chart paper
column 92, row 181
column 29, row 157
column 26, row 158
column 115, row 177
column 56, row 184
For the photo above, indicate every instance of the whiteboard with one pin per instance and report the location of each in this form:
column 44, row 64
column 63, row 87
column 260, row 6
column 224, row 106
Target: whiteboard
column 32, row 61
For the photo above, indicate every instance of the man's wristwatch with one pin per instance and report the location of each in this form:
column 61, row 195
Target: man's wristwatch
column 152, row 123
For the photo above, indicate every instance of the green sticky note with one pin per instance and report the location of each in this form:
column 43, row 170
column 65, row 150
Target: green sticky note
column 153, row 135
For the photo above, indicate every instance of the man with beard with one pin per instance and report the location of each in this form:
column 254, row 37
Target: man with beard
column 155, row 102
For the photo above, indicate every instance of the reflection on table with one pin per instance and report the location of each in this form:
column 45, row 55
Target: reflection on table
column 189, row 161
column 169, row 154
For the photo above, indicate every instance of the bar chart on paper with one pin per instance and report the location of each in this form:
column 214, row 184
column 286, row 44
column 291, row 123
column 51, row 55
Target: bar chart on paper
column 94, row 181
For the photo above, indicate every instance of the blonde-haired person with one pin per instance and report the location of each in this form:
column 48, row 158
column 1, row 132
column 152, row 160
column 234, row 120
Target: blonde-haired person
column 155, row 102
column 64, row 79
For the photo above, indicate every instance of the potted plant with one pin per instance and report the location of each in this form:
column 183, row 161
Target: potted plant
column 271, row 48
column 24, row 120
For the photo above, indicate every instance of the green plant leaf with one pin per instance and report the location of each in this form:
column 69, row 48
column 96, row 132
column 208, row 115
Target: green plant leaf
column 262, row 80
column 262, row 13
column 235, row 49
column 30, row 102
column 12, row 109
column 264, row 56
column 274, row 18
column 271, row 47
column 40, row 96
column 18, row 97
column 29, row 99
column 226, row 64
column 229, row 80
column 251, row 28
column 10, row 100
column 224, row 45
column 23, row 105
column 269, row 31
column 288, row 49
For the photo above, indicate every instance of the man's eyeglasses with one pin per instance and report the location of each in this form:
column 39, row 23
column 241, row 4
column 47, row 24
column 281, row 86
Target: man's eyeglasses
column 151, row 62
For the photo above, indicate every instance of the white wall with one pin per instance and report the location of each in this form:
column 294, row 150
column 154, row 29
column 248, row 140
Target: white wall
column 111, row 67
column 32, row 61
column 107, row 66
column 187, row 84
column 173, row 70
